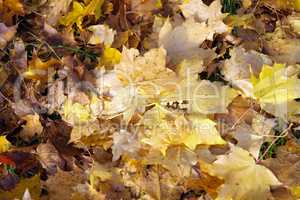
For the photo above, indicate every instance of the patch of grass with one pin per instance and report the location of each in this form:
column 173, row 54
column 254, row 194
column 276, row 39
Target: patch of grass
column 79, row 51
column 231, row 6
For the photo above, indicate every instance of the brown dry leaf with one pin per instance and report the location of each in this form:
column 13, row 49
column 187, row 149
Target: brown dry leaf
column 19, row 55
column 54, row 9
column 283, row 47
column 286, row 165
column 58, row 133
column 3, row 76
column 66, row 185
column 6, row 34
column 204, row 182
column 48, row 157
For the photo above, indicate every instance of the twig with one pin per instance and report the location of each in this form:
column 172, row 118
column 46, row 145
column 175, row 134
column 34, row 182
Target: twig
column 282, row 135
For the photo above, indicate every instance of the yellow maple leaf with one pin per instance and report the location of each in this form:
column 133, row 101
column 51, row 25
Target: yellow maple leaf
column 110, row 56
column 275, row 86
column 83, row 118
column 4, row 144
column 79, row 11
column 202, row 96
column 164, row 129
column 38, row 70
column 244, row 179
column 76, row 113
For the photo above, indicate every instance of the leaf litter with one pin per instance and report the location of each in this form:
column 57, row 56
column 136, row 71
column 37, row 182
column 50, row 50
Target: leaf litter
column 149, row 99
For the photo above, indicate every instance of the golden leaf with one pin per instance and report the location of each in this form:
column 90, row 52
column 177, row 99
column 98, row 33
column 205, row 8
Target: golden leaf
column 79, row 11
column 164, row 129
column 39, row 70
column 238, row 169
column 4, row 144
column 10, row 8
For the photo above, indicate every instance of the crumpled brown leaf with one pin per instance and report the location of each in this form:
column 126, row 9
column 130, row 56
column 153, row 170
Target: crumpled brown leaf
column 6, row 34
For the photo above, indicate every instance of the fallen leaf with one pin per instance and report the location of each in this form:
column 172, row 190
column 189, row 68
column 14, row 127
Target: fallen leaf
column 30, row 184
column 54, row 9
column 124, row 143
column 79, row 11
column 39, row 70
column 3, row 76
column 9, row 9
column 276, row 89
column 6, row 34
column 32, row 128
column 238, row 168
column 183, row 41
column 172, row 129
column 110, row 57
column 238, row 68
column 101, row 34
column 48, row 157
column 4, row 144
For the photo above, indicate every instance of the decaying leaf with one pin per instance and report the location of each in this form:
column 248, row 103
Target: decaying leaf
column 282, row 47
column 6, row 34
column 3, row 75
column 151, row 99
column 54, row 9
column 49, row 157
